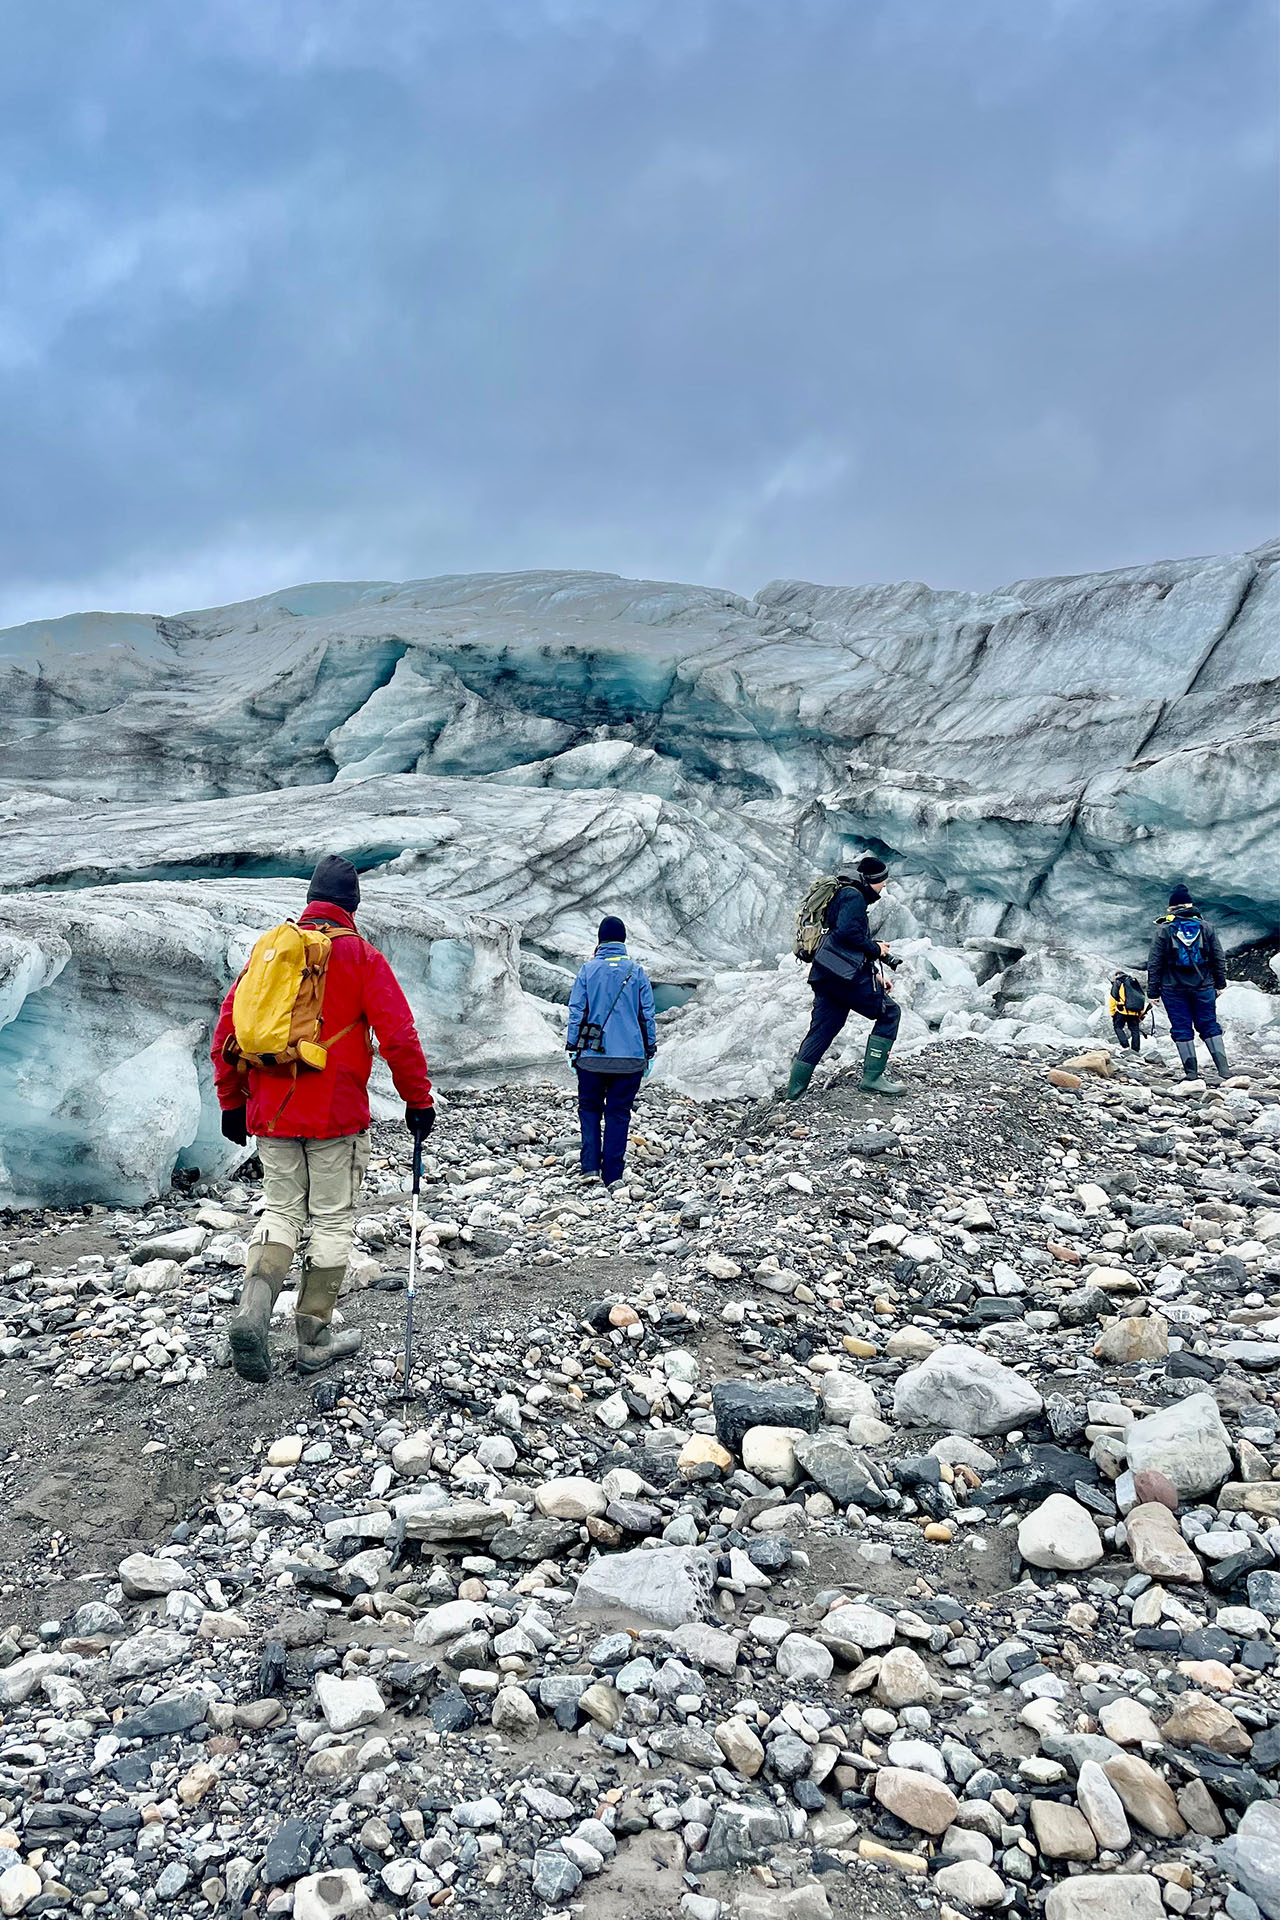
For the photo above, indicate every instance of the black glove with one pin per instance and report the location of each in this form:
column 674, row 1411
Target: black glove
column 419, row 1121
column 233, row 1126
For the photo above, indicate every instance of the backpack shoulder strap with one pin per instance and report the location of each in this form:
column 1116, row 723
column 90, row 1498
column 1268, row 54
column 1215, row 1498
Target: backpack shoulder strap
column 622, row 987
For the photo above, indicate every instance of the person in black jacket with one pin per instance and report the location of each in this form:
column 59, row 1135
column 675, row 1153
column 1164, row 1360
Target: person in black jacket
column 845, row 978
column 1186, row 970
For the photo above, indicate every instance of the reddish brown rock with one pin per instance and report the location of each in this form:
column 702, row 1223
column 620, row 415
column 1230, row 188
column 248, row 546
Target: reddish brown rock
column 1154, row 1488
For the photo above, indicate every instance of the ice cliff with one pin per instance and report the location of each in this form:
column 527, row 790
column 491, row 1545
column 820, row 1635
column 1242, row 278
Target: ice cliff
column 510, row 754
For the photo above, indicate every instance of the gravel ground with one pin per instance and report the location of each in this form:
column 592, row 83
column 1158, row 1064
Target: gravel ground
column 988, row 1371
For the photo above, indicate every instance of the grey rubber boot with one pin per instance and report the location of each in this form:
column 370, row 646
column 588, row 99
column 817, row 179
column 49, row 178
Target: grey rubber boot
column 265, row 1269
column 873, row 1065
column 1217, row 1047
column 801, row 1075
column 318, row 1345
column 1187, row 1055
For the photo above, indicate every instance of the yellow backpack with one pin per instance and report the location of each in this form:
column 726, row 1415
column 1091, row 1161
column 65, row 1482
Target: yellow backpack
column 279, row 999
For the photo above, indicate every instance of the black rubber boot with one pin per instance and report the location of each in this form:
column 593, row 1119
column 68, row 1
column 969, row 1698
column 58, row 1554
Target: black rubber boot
column 1187, row 1055
column 801, row 1075
column 873, row 1069
column 265, row 1269
column 318, row 1345
column 1217, row 1047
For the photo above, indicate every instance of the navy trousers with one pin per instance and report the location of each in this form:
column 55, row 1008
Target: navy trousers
column 835, row 999
column 605, row 1101
column 1189, row 1007
column 1128, row 1032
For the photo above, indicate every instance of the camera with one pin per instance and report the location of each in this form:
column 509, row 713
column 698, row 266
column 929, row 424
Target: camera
column 888, row 960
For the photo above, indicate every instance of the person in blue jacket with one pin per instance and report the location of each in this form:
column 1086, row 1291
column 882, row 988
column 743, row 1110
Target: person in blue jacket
column 1186, row 969
column 612, row 1038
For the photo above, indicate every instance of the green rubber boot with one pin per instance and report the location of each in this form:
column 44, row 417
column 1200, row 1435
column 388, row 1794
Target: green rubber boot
column 1187, row 1055
column 318, row 1345
column 265, row 1269
column 873, row 1066
column 801, row 1075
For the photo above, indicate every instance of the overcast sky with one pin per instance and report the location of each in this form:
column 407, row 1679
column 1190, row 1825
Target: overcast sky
column 706, row 290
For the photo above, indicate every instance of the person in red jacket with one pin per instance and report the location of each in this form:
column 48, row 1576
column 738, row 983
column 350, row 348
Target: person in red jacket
column 312, row 1130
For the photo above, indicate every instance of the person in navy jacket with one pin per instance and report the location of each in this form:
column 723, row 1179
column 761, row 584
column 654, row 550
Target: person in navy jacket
column 612, row 1038
column 846, row 978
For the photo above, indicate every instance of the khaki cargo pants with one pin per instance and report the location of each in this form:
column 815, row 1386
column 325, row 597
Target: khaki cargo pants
column 316, row 1184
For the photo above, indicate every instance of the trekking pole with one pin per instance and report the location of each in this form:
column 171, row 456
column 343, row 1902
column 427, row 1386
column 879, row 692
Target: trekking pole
column 413, row 1260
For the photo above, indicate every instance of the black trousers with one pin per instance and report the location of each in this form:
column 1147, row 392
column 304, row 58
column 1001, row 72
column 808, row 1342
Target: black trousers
column 835, row 999
column 606, row 1098
column 1127, row 1031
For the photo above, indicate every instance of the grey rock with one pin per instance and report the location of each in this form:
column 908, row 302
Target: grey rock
column 705, row 1646
column 145, row 1575
column 1253, row 1855
column 555, row 1878
column 547, row 1805
column 838, row 1468
column 741, row 1835
column 151, row 1651
column 95, row 1617
column 789, row 1757
column 19, row 1681
column 965, row 1391
column 696, row 1746
column 971, row 1883
column 1105, row 1896
column 348, row 1703
column 172, row 1880
column 182, row 1244
column 657, row 1586
column 1186, row 1442
column 804, row 1661
column 458, row 1520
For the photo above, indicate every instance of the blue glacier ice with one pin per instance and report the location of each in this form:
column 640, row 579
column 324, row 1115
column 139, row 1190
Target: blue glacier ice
column 510, row 755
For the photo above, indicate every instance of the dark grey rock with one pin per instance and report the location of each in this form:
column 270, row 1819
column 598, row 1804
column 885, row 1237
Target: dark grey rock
column 176, row 1715
column 290, row 1850
column 555, row 1878
column 451, row 1712
column 740, row 1404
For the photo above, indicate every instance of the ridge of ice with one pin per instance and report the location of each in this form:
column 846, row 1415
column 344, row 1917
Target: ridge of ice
column 507, row 756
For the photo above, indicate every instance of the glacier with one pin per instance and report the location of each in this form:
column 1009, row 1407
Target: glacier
column 507, row 756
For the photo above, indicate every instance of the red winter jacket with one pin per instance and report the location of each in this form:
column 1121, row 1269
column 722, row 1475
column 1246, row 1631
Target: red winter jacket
column 327, row 1105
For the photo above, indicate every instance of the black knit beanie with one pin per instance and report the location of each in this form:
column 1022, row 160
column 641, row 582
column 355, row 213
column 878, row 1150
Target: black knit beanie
column 611, row 931
column 1180, row 897
column 336, row 882
column 872, row 869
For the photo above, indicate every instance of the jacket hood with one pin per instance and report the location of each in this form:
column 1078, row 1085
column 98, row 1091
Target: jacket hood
column 325, row 910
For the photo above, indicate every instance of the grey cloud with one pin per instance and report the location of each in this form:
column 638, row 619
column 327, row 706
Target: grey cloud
column 700, row 289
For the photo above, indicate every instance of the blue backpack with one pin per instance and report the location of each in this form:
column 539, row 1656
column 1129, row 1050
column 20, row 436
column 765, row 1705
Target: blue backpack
column 1188, row 945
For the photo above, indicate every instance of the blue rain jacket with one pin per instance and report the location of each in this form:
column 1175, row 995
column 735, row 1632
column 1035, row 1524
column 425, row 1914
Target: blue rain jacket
column 631, row 1033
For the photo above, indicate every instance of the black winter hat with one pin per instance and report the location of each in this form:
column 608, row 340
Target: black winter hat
column 872, row 869
column 611, row 931
column 335, row 881
column 1180, row 897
